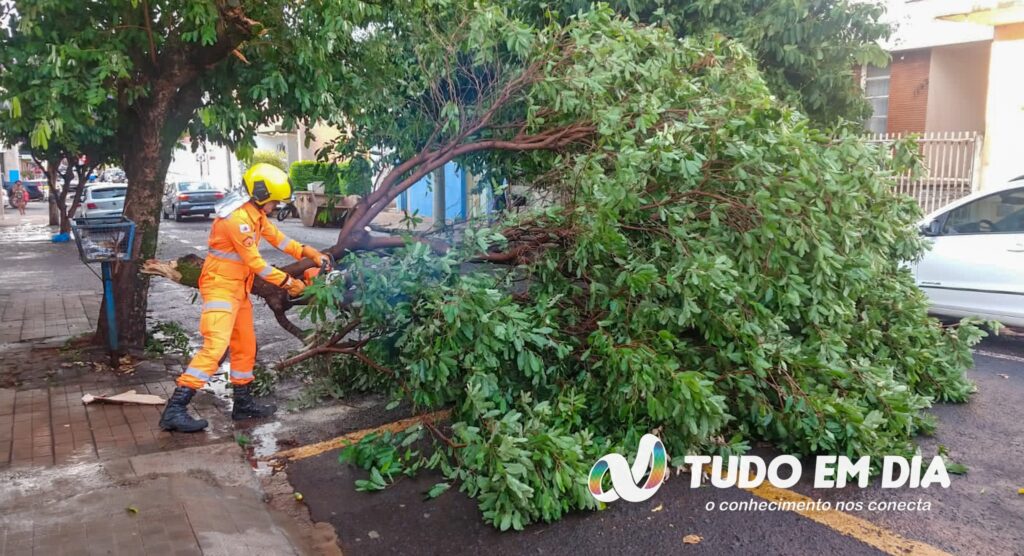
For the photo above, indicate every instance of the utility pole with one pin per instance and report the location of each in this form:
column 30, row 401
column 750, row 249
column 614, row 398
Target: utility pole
column 231, row 178
column 439, row 202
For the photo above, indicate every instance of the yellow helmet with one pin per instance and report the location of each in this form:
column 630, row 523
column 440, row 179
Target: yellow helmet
column 266, row 182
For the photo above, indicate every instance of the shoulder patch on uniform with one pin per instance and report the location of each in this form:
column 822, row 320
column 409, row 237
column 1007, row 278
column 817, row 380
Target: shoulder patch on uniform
column 245, row 228
column 248, row 242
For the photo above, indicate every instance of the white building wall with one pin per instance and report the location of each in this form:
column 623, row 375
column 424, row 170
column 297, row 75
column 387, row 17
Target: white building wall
column 916, row 26
column 214, row 163
column 957, row 86
column 10, row 159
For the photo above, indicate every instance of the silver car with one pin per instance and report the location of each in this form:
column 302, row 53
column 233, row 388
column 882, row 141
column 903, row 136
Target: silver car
column 190, row 198
column 103, row 200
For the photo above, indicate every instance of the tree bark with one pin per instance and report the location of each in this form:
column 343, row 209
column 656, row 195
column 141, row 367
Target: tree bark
column 50, row 171
column 145, row 166
column 83, row 179
column 147, row 137
column 54, row 210
column 61, row 198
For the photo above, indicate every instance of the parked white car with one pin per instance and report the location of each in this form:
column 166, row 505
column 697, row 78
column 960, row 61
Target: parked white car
column 103, row 199
column 976, row 264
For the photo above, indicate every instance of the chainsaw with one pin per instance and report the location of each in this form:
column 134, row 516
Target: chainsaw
column 326, row 269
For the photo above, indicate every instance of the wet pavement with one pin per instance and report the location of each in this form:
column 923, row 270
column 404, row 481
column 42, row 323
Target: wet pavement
column 103, row 478
column 981, row 512
column 45, row 290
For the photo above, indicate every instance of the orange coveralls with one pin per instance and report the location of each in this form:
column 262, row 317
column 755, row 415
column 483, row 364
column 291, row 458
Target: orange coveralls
column 227, row 276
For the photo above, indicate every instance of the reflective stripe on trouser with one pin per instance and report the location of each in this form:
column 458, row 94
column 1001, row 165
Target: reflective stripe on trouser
column 224, row 324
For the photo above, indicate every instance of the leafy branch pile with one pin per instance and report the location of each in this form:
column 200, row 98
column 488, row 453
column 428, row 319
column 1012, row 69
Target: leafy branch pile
column 710, row 266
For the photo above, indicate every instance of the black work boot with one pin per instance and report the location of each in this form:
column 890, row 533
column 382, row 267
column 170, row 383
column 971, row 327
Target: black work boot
column 248, row 408
column 176, row 417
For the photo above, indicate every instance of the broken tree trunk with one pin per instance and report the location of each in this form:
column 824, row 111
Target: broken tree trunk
column 186, row 270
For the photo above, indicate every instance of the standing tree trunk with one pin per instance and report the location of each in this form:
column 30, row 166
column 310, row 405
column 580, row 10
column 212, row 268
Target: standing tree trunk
column 53, row 208
column 76, row 201
column 49, row 166
column 148, row 142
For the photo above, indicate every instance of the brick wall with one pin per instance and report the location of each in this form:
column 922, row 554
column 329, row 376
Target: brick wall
column 908, row 90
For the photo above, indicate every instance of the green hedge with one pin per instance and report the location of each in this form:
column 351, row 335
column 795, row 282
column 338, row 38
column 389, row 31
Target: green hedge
column 347, row 178
column 273, row 158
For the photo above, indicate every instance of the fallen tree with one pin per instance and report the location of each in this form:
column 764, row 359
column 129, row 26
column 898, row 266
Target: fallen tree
column 710, row 266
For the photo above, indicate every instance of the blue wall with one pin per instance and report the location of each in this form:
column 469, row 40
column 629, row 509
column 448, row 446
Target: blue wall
column 419, row 198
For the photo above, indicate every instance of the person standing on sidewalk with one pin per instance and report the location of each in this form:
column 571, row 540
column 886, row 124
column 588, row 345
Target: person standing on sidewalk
column 228, row 273
column 19, row 197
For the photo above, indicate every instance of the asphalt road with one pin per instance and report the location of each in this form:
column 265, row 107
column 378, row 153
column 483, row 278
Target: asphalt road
column 981, row 513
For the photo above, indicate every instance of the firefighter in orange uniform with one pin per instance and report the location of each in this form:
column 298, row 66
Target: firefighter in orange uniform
column 228, row 272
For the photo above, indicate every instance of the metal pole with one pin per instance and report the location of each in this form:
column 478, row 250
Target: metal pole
column 3, row 178
column 231, row 179
column 108, row 293
column 439, row 201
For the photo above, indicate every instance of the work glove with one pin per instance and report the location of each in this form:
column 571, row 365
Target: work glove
column 312, row 254
column 294, row 287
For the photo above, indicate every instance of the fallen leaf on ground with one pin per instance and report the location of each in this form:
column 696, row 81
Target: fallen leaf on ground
column 129, row 397
column 1004, row 376
column 658, row 508
column 132, row 510
column 1020, row 491
column 956, row 468
column 692, row 539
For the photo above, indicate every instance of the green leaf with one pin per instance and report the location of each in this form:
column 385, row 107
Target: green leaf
column 437, row 490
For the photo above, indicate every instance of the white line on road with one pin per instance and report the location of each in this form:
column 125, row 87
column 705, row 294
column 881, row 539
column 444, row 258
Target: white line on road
column 997, row 355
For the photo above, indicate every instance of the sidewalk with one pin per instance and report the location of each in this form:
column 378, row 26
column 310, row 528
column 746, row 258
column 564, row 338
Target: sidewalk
column 45, row 290
column 201, row 500
column 103, row 478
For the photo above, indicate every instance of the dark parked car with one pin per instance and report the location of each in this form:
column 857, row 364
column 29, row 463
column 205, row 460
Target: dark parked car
column 36, row 189
column 190, row 198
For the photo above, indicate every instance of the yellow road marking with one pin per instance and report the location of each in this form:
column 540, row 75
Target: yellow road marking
column 851, row 526
column 318, row 448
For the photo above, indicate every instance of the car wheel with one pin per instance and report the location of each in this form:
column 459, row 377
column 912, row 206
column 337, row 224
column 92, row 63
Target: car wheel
column 177, row 215
column 166, row 216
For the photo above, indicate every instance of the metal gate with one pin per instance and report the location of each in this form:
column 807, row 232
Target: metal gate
column 952, row 162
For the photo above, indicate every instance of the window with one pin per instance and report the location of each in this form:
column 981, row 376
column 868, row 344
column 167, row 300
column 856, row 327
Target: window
column 109, row 193
column 876, row 89
column 194, row 186
column 1000, row 212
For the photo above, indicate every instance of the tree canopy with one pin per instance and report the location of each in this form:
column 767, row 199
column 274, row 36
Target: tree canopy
column 806, row 49
column 141, row 74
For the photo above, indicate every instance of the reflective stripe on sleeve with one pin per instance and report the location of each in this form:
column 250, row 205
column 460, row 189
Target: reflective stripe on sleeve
column 266, row 271
column 215, row 305
column 283, row 243
column 225, row 255
column 192, row 371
